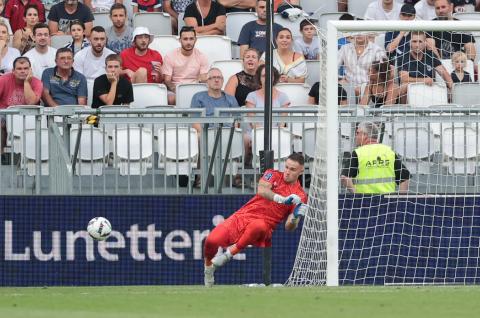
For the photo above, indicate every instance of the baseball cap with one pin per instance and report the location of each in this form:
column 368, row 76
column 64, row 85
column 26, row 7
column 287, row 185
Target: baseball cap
column 408, row 9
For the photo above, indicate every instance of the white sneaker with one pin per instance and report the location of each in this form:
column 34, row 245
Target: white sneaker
column 221, row 259
column 209, row 278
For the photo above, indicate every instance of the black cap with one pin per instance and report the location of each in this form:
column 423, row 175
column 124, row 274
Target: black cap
column 408, row 9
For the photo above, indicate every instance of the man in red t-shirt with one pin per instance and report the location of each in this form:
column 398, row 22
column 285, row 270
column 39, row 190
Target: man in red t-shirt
column 141, row 64
column 18, row 88
column 279, row 196
column 14, row 11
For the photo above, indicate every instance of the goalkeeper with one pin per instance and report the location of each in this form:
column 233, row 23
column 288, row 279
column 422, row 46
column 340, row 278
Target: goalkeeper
column 279, row 196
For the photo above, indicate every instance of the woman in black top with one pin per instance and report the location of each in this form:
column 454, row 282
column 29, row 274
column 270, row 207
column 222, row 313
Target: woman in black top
column 381, row 89
column 244, row 82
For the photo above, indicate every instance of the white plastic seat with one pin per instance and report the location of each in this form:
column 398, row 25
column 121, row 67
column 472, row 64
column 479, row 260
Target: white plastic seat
column 460, row 147
column 416, row 145
column 158, row 23
column 466, row 94
column 313, row 68
column 236, row 21
column 293, row 26
column 15, row 126
column 465, row 16
column 323, row 18
column 317, row 7
column 149, row 94
column 111, row 128
column 358, row 7
column 185, row 93
column 59, row 41
column 228, row 68
column 297, row 93
column 102, row 19
column 281, row 145
column 133, row 148
column 177, row 150
column 422, row 95
column 92, row 152
column 215, row 47
column 164, row 44
column 90, row 84
column 236, row 149
column 30, row 155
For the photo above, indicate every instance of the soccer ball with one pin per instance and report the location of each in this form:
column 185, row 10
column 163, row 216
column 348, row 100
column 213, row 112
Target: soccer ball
column 99, row 228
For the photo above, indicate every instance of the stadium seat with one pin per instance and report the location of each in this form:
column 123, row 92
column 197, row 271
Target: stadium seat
column 109, row 128
column 236, row 21
column 30, row 155
column 149, row 94
column 318, row 7
column 185, row 93
column 465, row 16
column 93, row 150
column 215, row 47
column 90, row 84
column 158, row 23
column 164, row 44
column 281, row 145
column 460, row 149
column 236, row 149
column 228, row 68
column 177, row 150
column 358, row 7
column 310, row 141
column 422, row 95
column 17, row 124
column 313, row 68
column 133, row 150
column 59, row 41
column 297, row 93
column 466, row 94
column 415, row 143
column 294, row 26
column 323, row 18
column 180, row 21
column 102, row 19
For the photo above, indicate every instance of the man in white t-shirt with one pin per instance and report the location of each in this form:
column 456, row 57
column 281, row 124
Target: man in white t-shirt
column 42, row 56
column 425, row 10
column 383, row 10
column 90, row 61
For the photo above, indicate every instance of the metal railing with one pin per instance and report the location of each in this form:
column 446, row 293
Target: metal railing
column 156, row 151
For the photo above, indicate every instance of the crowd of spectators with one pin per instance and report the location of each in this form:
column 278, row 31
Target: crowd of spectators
column 378, row 73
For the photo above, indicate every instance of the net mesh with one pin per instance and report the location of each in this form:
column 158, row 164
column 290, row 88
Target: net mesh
column 418, row 90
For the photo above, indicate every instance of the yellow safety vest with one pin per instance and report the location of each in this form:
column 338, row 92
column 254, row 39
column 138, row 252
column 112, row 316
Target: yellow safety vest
column 376, row 169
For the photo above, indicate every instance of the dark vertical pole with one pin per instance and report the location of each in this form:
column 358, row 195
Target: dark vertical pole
column 266, row 157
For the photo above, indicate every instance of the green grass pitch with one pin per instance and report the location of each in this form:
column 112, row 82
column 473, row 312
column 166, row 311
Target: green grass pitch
column 244, row 302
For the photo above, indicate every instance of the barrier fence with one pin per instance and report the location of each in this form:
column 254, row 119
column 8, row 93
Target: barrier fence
column 155, row 150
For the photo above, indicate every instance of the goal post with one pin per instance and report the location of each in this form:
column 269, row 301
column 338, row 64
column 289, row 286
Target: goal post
column 445, row 216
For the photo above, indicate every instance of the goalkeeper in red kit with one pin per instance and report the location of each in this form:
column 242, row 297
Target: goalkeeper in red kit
column 279, row 196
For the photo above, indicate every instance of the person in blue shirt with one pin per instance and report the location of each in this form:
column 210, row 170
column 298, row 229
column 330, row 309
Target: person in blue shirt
column 62, row 85
column 214, row 97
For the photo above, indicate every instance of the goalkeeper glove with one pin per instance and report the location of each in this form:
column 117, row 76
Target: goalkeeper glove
column 92, row 120
column 291, row 199
column 299, row 210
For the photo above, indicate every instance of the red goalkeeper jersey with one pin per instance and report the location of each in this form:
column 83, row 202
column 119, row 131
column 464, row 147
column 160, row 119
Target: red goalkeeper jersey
column 271, row 212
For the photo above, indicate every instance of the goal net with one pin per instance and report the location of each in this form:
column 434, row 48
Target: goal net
column 393, row 198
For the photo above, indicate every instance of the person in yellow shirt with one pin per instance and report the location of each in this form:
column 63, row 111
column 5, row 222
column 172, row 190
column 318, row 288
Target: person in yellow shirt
column 374, row 168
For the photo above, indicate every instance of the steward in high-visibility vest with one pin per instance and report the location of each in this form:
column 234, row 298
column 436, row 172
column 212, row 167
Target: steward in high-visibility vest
column 374, row 168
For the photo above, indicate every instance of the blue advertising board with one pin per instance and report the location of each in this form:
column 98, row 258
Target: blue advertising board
column 156, row 240
column 159, row 240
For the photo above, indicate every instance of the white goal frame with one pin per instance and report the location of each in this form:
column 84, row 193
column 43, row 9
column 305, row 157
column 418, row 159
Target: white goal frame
column 333, row 27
